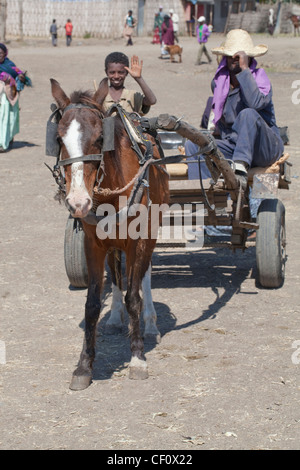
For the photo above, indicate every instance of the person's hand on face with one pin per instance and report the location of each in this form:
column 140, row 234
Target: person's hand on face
column 244, row 60
column 238, row 62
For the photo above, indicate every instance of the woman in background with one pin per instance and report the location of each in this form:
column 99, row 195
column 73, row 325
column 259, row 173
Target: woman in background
column 128, row 28
column 12, row 81
column 167, row 35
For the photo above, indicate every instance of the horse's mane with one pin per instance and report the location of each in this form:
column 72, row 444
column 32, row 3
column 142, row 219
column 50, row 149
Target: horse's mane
column 85, row 97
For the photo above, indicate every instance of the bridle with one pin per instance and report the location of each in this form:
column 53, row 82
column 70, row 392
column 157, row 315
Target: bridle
column 140, row 181
column 96, row 157
column 136, row 136
column 57, row 114
column 53, row 148
column 83, row 158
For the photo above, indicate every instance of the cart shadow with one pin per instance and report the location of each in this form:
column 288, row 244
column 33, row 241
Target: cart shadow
column 220, row 270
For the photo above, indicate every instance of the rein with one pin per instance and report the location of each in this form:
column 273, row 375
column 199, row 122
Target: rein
column 132, row 129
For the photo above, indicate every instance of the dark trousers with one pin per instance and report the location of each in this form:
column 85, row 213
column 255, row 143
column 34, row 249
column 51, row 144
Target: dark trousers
column 252, row 141
column 54, row 39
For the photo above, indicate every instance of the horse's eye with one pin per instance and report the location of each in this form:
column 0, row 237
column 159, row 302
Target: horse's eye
column 99, row 140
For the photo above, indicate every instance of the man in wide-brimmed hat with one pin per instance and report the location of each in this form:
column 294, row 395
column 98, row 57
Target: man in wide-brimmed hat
column 242, row 106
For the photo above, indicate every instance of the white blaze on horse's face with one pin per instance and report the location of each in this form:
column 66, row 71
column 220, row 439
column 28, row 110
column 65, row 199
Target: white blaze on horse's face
column 78, row 200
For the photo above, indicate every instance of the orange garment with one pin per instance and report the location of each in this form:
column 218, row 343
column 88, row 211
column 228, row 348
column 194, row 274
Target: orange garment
column 156, row 38
column 69, row 29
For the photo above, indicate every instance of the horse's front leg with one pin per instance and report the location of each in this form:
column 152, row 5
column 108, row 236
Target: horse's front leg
column 138, row 258
column 116, row 319
column 82, row 376
column 151, row 333
column 138, row 366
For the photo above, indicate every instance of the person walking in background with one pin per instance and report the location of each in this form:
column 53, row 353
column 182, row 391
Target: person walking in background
column 161, row 12
column 53, row 32
column 175, row 20
column 167, row 35
column 158, row 20
column 130, row 23
column 161, row 20
column 271, row 22
column 203, row 33
column 12, row 81
column 69, row 30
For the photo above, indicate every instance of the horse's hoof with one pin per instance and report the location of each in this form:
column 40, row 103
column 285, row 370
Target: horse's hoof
column 80, row 382
column 113, row 329
column 152, row 338
column 138, row 369
column 136, row 373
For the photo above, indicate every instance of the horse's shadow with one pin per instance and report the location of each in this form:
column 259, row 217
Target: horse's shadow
column 221, row 270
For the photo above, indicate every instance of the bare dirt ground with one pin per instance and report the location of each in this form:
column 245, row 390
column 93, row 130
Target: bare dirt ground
column 222, row 376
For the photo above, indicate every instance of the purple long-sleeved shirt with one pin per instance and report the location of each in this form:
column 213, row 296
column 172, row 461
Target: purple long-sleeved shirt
column 205, row 33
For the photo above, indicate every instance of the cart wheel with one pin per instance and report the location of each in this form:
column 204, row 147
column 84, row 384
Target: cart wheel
column 75, row 261
column 271, row 243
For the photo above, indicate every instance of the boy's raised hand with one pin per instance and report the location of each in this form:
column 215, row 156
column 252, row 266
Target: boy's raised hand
column 136, row 66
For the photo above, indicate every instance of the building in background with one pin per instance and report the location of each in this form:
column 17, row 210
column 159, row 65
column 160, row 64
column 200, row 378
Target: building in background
column 105, row 18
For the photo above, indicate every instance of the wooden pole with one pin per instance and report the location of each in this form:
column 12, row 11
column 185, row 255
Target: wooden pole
column 171, row 123
column 21, row 33
column 228, row 19
column 3, row 6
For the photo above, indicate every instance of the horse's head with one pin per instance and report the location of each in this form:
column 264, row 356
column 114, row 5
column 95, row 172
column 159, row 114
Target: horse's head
column 80, row 135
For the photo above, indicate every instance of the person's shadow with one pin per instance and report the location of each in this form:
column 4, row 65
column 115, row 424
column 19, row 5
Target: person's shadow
column 21, row 144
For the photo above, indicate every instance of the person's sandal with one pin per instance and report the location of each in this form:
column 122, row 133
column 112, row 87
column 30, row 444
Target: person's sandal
column 241, row 173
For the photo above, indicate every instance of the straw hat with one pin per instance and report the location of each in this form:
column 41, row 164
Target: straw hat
column 239, row 40
column 201, row 19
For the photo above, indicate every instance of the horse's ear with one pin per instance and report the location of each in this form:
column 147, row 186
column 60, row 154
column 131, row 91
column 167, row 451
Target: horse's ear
column 102, row 91
column 59, row 95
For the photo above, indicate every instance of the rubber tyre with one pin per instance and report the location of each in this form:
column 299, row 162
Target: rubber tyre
column 271, row 243
column 75, row 260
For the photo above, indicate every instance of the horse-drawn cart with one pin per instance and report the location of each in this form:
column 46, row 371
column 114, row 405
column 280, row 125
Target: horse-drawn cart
column 223, row 201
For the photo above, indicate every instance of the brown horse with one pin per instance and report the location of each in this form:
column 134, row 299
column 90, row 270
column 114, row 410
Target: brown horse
column 296, row 23
column 95, row 179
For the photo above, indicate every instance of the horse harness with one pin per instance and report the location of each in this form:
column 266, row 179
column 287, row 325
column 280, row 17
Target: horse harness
column 136, row 134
